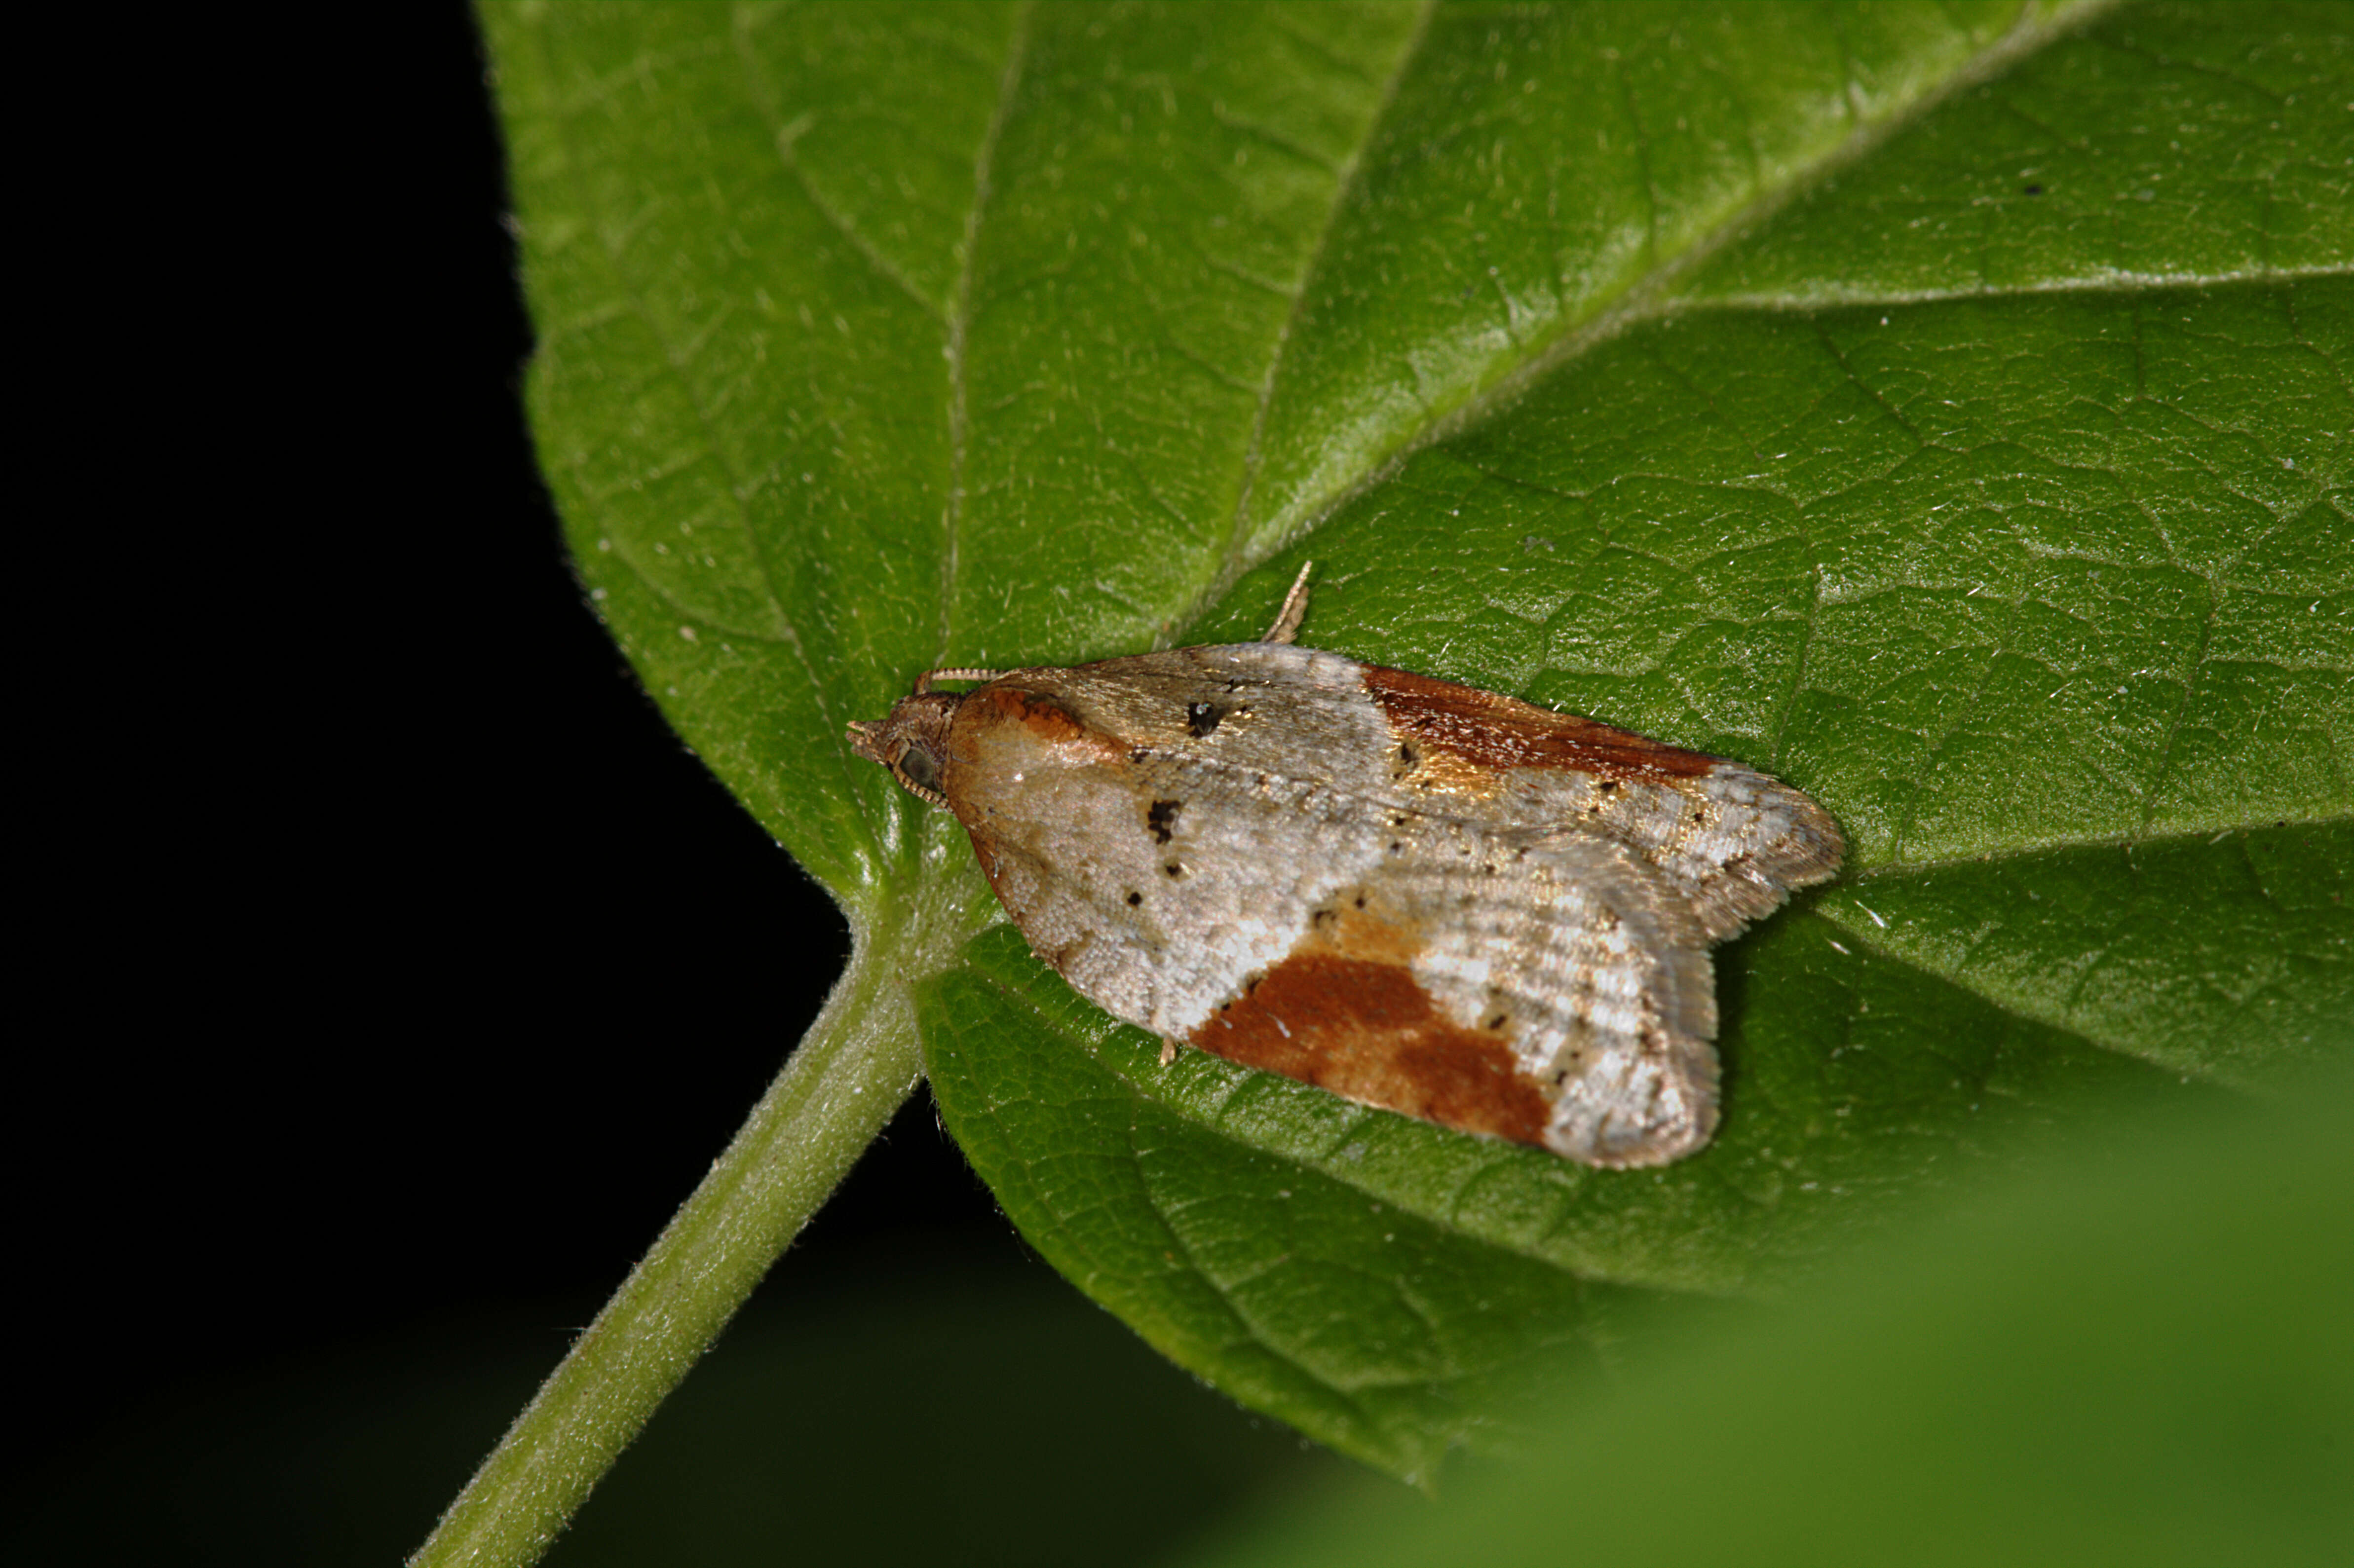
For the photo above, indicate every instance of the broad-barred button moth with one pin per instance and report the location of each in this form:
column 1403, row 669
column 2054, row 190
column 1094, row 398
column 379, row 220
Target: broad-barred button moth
column 1423, row 896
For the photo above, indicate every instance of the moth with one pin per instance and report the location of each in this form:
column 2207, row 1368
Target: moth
column 1435, row 899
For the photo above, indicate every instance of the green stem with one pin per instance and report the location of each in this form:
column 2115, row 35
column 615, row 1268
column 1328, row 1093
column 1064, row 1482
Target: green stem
column 857, row 1066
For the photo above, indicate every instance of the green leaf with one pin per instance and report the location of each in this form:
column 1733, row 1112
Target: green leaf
column 1942, row 407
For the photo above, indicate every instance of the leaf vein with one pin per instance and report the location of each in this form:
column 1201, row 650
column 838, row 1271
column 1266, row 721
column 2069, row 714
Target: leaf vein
column 1231, row 563
column 960, row 322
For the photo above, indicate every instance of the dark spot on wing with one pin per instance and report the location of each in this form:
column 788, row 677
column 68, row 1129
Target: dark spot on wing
column 1159, row 820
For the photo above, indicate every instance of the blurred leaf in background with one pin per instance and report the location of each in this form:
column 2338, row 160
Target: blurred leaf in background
column 2137, row 1355
column 1942, row 407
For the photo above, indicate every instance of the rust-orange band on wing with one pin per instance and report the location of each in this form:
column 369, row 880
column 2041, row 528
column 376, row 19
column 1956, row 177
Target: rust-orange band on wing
column 1499, row 732
column 1365, row 1029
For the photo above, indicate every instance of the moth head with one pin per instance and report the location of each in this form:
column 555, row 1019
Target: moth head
column 913, row 743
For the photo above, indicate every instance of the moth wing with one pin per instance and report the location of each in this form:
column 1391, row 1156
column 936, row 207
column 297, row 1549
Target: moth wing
column 1736, row 841
column 1155, row 884
column 1593, row 966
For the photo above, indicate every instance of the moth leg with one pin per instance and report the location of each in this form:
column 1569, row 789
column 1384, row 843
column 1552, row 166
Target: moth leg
column 1168, row 1050
column 923, row 681
column 1295, row 608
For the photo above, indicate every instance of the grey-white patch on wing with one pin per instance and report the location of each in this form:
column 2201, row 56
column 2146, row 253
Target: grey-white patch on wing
column 1247, row 814
column 1734, row 842
column 1254, row 708
column 1586, row 960
column 1253, row 865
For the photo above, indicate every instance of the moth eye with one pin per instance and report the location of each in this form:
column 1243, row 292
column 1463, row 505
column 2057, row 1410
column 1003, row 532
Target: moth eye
column 1201, row 719
column 918, row 767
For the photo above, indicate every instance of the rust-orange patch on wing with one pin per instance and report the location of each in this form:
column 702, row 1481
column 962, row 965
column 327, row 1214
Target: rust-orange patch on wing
column 1362, row 1027
column 1499, row 732
column 1006, row 727
column 1048, row 718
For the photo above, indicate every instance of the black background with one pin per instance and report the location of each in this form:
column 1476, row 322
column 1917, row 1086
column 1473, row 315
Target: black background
column 393, row 970
column 388, row 972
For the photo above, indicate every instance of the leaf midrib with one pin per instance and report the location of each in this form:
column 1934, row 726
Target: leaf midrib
column 2042, row 847
column 960, row 321
column 1230, row 565
column 1646, row 297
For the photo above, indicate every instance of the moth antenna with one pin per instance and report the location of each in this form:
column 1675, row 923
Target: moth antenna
column 932, row 798
column 923, row 681
column 1294, row 610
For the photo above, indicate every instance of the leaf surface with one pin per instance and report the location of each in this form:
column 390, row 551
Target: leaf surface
column 1943, row 407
